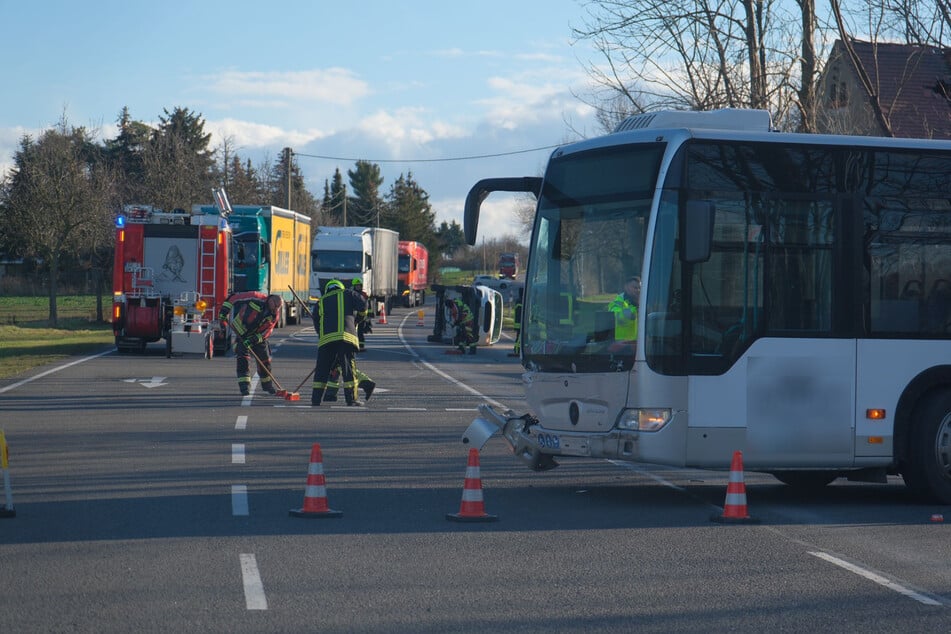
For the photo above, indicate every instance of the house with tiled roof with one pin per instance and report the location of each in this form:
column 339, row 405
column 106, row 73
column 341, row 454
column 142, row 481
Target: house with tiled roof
column 881, row 89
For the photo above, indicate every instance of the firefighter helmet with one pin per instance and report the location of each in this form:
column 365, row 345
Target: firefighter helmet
column 356, row 282
column 333, row 285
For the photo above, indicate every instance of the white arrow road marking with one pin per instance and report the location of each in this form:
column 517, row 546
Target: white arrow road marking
column 155, row 381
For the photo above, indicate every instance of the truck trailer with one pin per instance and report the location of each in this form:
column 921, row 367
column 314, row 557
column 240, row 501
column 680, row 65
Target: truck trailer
column 171, row 273
column 345, row 253
column 413, row 272
column 271, row 253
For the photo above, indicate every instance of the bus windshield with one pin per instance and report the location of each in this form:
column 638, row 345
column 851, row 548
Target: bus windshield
column 589, row 241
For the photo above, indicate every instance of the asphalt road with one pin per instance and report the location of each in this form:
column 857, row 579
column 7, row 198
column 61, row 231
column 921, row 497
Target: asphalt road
column 150, row 496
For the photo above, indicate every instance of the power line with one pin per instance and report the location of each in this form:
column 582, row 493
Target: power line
column 439, row 160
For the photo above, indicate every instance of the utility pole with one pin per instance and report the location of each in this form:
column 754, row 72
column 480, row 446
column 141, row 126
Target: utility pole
column 287, row 174
column 345, row 205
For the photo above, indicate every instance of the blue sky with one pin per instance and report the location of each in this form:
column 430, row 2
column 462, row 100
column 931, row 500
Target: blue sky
column 399, row 83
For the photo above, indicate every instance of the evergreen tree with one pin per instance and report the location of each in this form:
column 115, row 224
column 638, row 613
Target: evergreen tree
column 179, row 167
column 124, row 155
column 365, row 206
column 334, row 204
column 408, row 211
column 242, row 184
column 449, row 238
column 286, row 170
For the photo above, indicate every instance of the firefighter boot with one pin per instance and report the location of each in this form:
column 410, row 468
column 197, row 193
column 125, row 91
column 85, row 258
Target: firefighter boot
column 243, row 387
column 330, row 395
column 315, row 397
column 352, row 400
column 268, row 387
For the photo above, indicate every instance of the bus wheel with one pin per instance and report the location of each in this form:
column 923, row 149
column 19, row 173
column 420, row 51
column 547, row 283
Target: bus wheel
column 806, row 480
column 927, row 471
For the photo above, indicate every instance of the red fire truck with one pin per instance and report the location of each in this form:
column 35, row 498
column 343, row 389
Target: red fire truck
column 171, row 274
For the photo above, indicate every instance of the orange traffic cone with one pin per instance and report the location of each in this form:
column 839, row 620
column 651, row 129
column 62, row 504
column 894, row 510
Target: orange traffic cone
column 420, row 314
column 382, row 319
column 734, row 508
column 315, row 494
column 472, row 509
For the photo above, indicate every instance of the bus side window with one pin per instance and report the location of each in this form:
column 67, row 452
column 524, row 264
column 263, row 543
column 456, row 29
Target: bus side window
column 911, row 290
column 938, row 307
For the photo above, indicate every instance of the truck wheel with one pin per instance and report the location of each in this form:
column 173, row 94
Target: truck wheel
column 927, row 470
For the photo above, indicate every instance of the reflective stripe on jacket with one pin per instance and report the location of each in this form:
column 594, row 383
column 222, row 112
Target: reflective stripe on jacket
column 337, row 316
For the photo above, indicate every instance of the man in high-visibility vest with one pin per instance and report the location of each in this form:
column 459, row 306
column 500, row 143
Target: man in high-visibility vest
column 336, row 325
column 624, row 307
column 252, row 316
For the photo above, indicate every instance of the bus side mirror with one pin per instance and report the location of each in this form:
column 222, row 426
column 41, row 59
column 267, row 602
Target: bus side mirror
column 697, row 231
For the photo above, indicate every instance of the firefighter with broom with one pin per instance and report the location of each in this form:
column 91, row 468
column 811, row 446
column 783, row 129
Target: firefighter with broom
column 338, row 312
column 252, row 317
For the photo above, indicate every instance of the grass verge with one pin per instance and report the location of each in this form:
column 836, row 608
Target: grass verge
column 27, row 341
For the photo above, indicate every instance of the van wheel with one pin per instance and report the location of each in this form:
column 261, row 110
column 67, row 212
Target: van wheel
column 927, row 469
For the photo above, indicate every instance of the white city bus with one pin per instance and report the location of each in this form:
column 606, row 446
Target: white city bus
column 795, row 302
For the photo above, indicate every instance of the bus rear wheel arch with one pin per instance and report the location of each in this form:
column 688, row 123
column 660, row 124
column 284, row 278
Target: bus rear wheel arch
column 927, row 465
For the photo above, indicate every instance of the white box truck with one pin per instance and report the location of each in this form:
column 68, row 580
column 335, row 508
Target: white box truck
column 343, row 253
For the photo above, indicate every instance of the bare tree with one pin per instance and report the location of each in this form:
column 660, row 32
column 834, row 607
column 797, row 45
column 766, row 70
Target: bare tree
column 57, row 203
column 895, row 51
column 700, row 55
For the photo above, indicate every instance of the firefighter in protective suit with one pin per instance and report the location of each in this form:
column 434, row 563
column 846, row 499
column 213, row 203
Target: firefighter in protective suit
column 363, row 326
column 464, row 322
column 336, row 325
column 252, row 317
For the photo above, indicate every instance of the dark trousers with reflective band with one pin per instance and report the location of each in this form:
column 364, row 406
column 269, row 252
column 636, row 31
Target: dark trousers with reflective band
column 333, row 383
column 329, row 356
column 466, row 335
column 243, row 358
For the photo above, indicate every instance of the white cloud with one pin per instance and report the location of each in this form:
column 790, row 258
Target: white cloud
column 337, row 86
column 518, row 100
column 497, row 217
column 408, row 128
column 256, row 135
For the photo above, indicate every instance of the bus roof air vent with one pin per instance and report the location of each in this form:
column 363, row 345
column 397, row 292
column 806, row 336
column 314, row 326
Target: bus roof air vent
column 725, row 119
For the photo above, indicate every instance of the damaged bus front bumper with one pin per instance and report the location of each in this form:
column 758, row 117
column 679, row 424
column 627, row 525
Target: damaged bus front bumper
column 515, row 429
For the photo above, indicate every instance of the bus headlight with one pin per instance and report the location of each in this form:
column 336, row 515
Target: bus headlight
column 643, row 419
